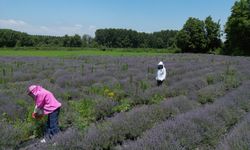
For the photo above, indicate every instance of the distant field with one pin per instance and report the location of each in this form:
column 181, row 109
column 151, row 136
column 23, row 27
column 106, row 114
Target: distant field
column 70, row 53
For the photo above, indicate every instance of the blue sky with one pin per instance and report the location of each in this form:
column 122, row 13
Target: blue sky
column 60, row 17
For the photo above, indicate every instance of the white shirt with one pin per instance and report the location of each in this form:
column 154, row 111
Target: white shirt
column 161, row 74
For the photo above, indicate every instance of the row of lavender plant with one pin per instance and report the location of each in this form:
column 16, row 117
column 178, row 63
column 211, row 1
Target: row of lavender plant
column 219, row 88
column 73, row 79
column 67, row 92
column 239, row 136
column 46, row 68
column 201, row 128
column 128, row 125
column 195, row 81
column 126, row 133
column 63, row 80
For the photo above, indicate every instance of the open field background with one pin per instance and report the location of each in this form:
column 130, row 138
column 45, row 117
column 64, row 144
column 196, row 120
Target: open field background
column 76, row 52
column 114, row 103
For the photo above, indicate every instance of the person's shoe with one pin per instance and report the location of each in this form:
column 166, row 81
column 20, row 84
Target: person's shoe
column 43, row 141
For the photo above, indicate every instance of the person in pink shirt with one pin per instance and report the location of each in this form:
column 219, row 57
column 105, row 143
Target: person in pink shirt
column 45, row 104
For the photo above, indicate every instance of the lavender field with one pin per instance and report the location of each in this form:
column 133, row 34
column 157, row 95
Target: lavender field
column 114, row 103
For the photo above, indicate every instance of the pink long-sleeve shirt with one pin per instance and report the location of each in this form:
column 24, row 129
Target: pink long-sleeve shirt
column 45, row 100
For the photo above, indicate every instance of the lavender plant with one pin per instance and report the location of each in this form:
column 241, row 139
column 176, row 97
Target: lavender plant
column 122, row 90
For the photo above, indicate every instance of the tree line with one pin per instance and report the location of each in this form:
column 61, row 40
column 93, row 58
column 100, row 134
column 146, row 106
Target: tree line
column 11, row 38
column 123, row 38
column 205, row 36
column 237, row 29
column 196, row 36
column 110, row 38
column 199, row 36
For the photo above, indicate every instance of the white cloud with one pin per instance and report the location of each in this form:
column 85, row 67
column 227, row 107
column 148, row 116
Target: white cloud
column 11, row 22
column 58, row 30
column 78, row 26
column 91, row 30
column 44, row 28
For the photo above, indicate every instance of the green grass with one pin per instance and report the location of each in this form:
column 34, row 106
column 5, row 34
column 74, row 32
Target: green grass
column 71, row 53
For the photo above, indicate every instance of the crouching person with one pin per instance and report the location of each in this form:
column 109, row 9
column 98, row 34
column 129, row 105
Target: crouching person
column 45, row 104
column 161, row 73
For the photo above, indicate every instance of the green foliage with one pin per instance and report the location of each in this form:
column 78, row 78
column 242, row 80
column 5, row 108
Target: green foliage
column 144, row 85
column 115, row 38
column 21, row 103
column 199, row 36
column 151, row 70
column 24, row 129
column 124, row 67
column 125, row 104
column 210, row 80
column 192, row 38
column 98, row 89
column 75, row 52
column 206, row 97
column 115, row 92
column 32, row 126
column 231, row 78
column 231, row 116
column 66, row 96
column 121, row 38
column 72, row 41
column 10, row 38
column 217, row 51
column 175, row 92
column 232, row 81
column 237, row 29
column 83, row 112
column 156, row 98
column 10, row 136
column 213, row 34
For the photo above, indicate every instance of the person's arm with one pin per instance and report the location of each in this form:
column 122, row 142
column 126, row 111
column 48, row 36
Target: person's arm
column 38, row 113
column 164, row 73
column 40, row 101
column 158, row 73
column 38, row 110
column 35, row 109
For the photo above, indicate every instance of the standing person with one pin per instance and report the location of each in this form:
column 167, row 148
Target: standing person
column 46, row 104
column 161, row 73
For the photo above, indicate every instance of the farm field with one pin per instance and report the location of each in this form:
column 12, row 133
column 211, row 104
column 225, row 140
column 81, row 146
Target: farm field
column 72, row 53
column 113, row 102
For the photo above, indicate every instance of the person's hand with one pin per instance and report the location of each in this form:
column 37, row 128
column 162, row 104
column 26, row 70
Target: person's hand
column 37, row 116
column 34, row 115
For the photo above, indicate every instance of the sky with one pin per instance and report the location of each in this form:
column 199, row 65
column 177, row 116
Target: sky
column 60, row 17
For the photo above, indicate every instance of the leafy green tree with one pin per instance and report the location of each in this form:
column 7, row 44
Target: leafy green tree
column 199, row 36
column 183, row 40
column 76, row 41
column 87, row 40
column 123, row 38
column 192, row 38
column 213, row 34
column 66, row 41
column 238, row 29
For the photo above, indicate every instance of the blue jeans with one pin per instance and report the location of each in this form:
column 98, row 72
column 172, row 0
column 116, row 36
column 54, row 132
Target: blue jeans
column 52, row 124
